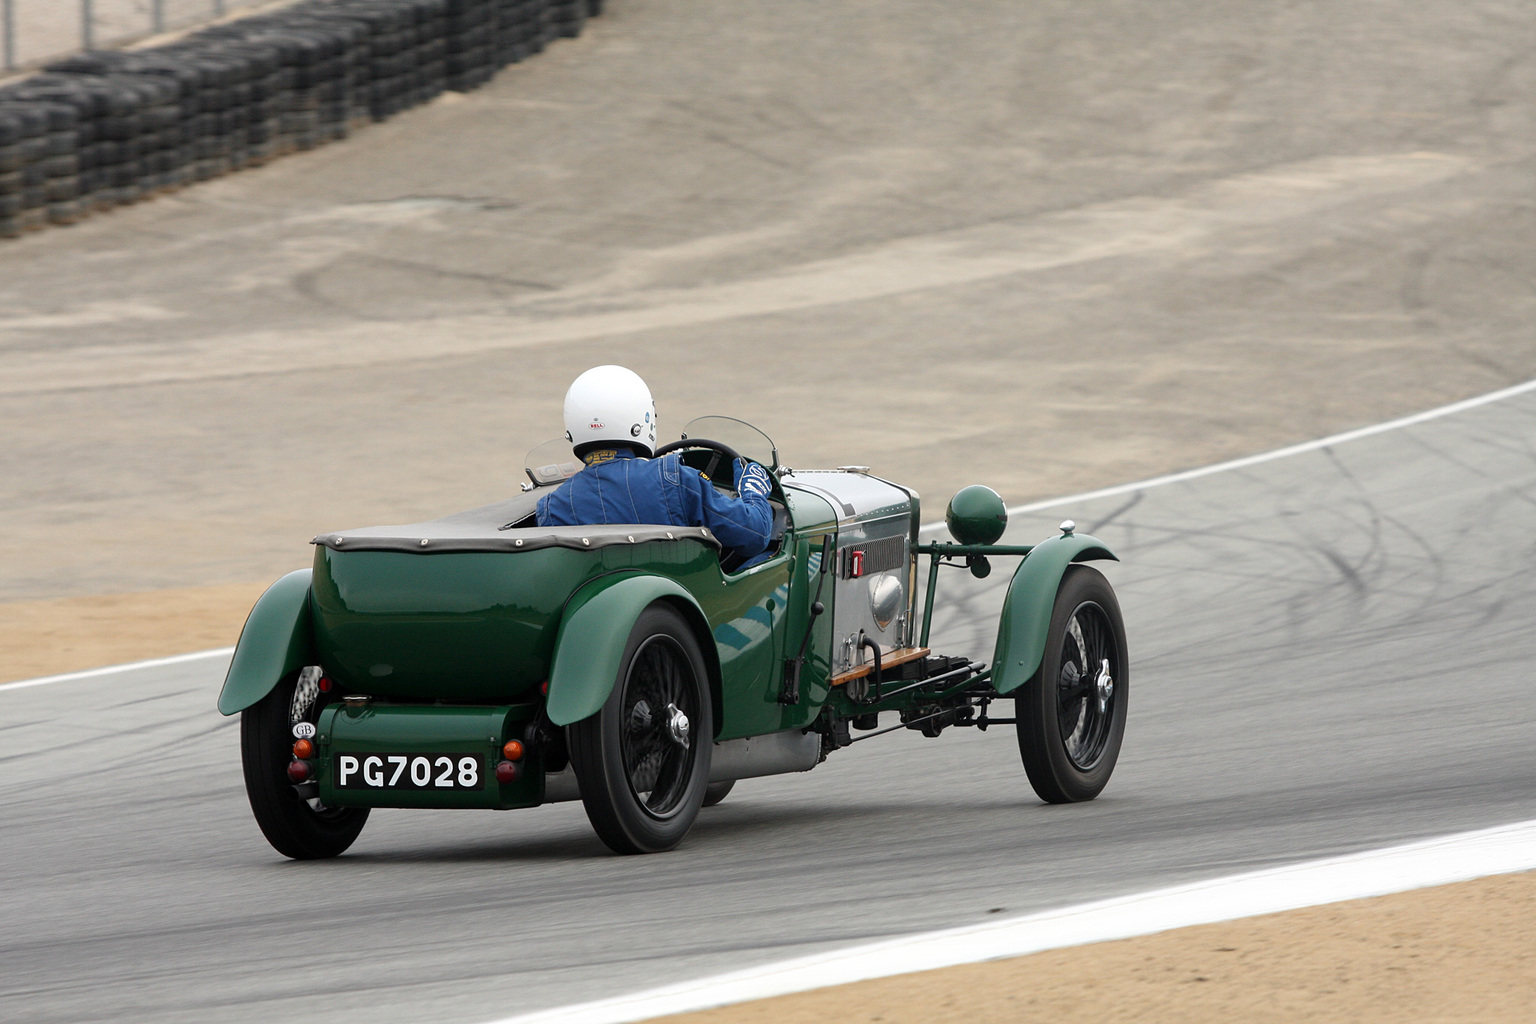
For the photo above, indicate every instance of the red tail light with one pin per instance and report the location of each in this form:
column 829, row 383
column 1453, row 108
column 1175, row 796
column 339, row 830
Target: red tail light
column 507, row 772
column 298, row 771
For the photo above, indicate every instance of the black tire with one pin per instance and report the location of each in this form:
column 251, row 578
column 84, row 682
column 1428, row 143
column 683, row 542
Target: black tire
column 1071, row 723
column 642, row 779
column 64, row 212
column 295, row 827
column 717, row 791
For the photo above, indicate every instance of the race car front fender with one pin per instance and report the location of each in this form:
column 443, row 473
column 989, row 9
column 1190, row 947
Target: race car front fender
column 1026, row 617
column 595, row 628
column 277, row 639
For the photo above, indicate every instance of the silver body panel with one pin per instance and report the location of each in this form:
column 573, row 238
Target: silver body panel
column 777, row 753
column 873, row 569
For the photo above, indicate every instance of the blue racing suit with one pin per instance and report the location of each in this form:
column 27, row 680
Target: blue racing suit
column 626, row 489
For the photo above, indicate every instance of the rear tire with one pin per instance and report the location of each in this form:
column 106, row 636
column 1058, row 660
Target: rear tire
column 643, row 769
column 293, row 826
column 717, row 791
column 1071, row 715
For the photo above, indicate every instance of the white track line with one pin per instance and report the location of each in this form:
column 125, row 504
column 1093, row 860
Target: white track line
column 1278, row 453
column 1105, row 492
column 112, row 670
column 1455, row 858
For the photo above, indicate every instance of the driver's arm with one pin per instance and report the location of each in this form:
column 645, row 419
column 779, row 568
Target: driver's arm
column 744, row 523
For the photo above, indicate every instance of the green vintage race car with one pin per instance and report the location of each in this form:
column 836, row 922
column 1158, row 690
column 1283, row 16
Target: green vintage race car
column 482, row 661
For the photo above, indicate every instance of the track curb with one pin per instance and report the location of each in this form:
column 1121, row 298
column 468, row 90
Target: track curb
column 1441, row 861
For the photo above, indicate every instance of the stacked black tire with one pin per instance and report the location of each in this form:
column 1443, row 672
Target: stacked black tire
column 565, row 18
column 109, row 127
column 39, row 165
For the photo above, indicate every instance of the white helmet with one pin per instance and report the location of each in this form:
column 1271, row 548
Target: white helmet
column 609, row 405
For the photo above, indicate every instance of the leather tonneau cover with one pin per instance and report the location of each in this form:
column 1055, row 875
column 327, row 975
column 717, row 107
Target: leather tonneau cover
column 489, row 528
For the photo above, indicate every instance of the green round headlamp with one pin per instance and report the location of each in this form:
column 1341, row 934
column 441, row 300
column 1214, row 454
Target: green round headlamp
column 976, row 515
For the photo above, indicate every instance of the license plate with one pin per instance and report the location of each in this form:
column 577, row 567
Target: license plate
column 409, row 771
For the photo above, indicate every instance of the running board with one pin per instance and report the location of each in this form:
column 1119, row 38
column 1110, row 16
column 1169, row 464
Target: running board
column 777, row 753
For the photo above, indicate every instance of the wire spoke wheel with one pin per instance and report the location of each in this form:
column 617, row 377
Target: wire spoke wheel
column 658, row 703
column 297, row 824
column 642, row 760
column 1072, row 713
column 1085, row 687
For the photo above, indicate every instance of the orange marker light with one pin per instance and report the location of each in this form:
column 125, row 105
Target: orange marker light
column 513, row 751
column 303, row 749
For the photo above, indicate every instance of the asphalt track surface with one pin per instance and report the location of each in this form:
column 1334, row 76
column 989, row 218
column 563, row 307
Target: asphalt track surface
column 1331, row 652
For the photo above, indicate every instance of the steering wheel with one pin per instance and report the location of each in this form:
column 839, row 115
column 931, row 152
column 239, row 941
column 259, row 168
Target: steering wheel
column 720, row 450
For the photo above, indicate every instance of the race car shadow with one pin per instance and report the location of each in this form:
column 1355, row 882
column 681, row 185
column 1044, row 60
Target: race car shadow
column 737, row 821
column 506, row 849
column 554, row 833
column 744, row 818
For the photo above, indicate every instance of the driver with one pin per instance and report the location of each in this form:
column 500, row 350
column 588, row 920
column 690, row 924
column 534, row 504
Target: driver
column 610, row 420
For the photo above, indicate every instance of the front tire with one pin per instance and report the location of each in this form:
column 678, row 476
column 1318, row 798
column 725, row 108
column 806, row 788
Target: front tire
column 643, row 760
column 295, row 826
column 1071, row 715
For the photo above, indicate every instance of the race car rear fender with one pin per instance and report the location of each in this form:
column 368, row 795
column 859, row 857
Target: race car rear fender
column 277, row 639
column 1026, row 617
column 594, row 630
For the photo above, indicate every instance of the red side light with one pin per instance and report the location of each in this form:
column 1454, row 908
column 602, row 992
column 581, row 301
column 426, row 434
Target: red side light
column 303, row 749
column 298, row 771
column 513, row 751
column 506, row 772
column 325, row 684
column 544, row 688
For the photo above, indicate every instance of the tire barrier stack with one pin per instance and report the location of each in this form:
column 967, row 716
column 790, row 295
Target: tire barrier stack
column 109, row 127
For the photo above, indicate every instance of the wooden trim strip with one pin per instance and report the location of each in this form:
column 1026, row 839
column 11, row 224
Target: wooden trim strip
column 888, row 659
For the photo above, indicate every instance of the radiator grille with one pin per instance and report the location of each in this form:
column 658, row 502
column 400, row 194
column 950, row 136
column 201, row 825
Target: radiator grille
column 878, row 556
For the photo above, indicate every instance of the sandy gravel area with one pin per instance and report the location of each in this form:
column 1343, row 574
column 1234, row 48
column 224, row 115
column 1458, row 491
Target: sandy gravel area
column 1043, row 246
column 40, row 638
column 1456, row 953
